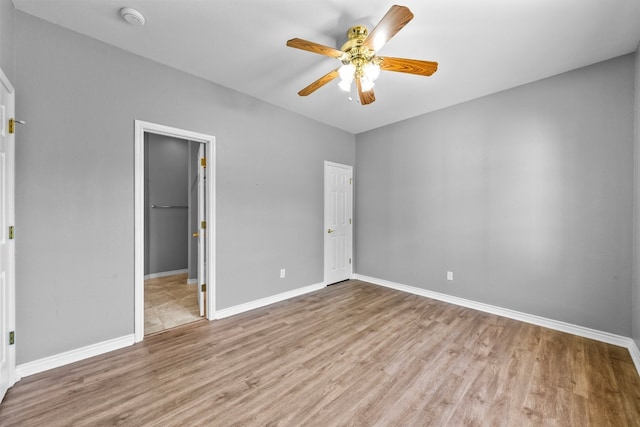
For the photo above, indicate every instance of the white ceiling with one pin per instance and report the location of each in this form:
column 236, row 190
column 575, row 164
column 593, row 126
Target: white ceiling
column 482, row 46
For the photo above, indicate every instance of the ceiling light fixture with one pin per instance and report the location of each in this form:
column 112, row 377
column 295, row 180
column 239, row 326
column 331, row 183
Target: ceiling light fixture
column 132, row 16
column 359, row 59
column 359, row 62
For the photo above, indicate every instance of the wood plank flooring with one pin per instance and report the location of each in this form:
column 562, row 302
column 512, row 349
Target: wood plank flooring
column 350, row 354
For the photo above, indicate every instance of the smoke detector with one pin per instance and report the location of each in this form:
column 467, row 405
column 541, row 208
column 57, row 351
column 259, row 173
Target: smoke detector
column 132, row 16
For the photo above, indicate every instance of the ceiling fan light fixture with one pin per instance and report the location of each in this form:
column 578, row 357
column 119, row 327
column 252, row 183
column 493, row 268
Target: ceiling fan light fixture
column 345, row 85
column 371, row 71
column 346, row 73
column 366, row 84
column 358, row 56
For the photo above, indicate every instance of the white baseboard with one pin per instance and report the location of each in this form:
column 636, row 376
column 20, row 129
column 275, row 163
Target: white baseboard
column 557, row 325
column 165, row 274
column 252, row 305
column 192, row 281
column 57, row 360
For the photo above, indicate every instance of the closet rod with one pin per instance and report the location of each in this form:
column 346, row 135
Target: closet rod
column 168, row 206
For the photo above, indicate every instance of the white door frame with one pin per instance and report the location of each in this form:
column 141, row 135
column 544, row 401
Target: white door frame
column 324, row 220
column 10, row 283
column 209, row 141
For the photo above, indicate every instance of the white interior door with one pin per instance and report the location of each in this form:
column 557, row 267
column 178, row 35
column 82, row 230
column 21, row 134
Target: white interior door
column 338, row 223
column 202, row 227
column 7, row 254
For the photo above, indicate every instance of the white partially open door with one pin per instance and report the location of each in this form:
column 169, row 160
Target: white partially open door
column 7, row 249
column 202, row 233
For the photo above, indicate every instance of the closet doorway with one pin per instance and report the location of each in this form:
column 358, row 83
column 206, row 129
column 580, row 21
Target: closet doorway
column 174, row 227
column 171, row 230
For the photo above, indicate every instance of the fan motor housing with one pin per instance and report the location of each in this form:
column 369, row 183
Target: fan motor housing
column 355, row 37
column 356, row 52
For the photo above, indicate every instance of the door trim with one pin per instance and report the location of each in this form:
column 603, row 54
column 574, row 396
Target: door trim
column 324, row 220
column 142, row 127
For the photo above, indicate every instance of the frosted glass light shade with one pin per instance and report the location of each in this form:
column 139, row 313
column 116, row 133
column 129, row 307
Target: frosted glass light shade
column 371, row 71
column 346, row 71
column 366, row 84
column 345, row 85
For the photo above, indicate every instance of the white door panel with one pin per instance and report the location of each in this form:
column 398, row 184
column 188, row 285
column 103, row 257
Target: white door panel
column 338, row 232
column 202, row 234
column 7, row 255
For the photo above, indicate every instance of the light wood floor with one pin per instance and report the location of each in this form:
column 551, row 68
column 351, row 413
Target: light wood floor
column 350, row 354
column 169, row 302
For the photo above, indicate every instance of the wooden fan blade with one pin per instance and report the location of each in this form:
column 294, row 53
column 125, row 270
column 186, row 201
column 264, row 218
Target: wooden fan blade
column 365, row 97
column 395, row 19
column 315, row 48
column 319, row 83
column 411, row 66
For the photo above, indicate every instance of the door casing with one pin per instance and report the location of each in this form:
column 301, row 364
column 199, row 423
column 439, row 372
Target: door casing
column 142, row 127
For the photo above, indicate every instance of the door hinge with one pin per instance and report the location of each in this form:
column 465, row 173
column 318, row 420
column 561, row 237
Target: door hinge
column 12, row 337
column 203, row 288
column 349, row 220
column 350, row 180
column 203, row 162
column 203, row 224
column 349, row 260
column 12, row 232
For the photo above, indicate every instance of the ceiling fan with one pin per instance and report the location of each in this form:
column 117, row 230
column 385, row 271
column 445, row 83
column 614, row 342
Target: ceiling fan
column 359, row 59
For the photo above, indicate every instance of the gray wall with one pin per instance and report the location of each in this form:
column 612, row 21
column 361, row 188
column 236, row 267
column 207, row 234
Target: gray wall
column 526, row 195
column 636, row 219
column 166, row 184
column 6, row 38
column 75, row 180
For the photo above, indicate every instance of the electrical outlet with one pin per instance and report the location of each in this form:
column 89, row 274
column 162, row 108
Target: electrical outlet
column 449, row 275
column 283, row 273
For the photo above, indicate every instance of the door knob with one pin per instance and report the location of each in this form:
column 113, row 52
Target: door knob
column 330, row 231
column 196, row 234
